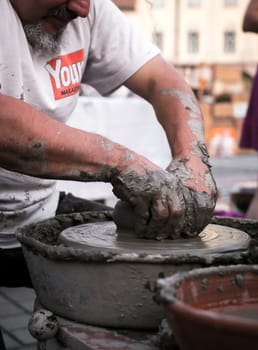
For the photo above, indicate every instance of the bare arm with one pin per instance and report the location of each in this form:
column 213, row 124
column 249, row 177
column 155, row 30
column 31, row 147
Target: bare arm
column 178, row 112
column 35, row 144
column 187, row 199
column 250, row 22
column 166, row 203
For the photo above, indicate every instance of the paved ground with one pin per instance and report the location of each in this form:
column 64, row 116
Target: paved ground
column 16, row 303
column 15, row 310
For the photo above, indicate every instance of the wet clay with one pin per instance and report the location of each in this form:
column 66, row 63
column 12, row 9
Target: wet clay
column 216, row 244
column 168, row 205
column 105, row 236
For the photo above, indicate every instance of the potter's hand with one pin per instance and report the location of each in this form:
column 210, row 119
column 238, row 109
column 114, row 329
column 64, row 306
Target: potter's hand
column 158, row 202
column 199, row 193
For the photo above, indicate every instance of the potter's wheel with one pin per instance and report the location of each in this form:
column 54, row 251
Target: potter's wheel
column 96, row 275
column 214, row 239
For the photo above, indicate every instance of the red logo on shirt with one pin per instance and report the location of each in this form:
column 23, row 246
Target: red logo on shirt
column 65, row 74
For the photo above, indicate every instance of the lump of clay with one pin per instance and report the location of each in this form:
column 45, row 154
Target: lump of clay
column 123, row 216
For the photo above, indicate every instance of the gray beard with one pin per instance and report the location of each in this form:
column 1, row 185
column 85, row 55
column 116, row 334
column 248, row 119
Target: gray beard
column 45, row 44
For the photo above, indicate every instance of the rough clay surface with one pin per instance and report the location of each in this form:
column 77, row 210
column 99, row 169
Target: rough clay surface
column 43, row 238
column 167, row 207
column 105, row 236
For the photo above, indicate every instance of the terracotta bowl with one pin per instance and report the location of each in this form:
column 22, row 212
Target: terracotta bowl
column 213, row 308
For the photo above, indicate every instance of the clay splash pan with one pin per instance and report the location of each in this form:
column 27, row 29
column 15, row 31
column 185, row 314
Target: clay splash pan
column 213, row 308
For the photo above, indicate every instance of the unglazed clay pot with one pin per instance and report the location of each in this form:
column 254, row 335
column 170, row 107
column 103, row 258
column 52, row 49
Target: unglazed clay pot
column 213, row 308
column 82, row 269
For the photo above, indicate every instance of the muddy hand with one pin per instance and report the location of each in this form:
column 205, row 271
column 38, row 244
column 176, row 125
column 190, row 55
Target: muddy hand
column 159, row 206
column 199, row 196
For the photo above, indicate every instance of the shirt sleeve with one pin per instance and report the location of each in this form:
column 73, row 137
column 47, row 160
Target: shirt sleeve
column 117, row 48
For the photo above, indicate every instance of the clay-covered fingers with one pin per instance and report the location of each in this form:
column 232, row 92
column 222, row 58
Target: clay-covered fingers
column 199, row 211
column 177, row 216
column 156, row 199
column 205, row 207
column 166, row 219
column 199, row 201
column 159, row 214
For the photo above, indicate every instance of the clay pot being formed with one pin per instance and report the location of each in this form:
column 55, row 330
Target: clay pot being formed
column 213, row 308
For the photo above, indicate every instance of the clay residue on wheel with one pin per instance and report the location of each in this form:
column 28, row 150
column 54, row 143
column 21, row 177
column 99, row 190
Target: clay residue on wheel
column 42, row 238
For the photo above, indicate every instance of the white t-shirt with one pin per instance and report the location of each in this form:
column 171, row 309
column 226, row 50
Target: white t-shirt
column 102, row 50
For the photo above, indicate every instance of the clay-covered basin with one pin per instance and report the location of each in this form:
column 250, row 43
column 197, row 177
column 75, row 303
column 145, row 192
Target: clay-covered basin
column 92, row 275
column 213, row 308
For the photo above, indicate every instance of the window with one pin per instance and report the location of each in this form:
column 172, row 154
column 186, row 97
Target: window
column 194, row 3
column 193, row 42
column 157, row 38
column 230, row 2
column 229, row 42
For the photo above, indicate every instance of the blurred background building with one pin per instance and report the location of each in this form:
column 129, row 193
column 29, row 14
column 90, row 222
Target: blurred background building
column 205, row 41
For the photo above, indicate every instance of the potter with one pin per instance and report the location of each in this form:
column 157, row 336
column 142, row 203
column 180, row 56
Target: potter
column 55, row 46
column 58, row 50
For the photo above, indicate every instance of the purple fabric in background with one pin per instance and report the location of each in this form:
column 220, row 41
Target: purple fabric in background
column 249, row 136
column 232, row 214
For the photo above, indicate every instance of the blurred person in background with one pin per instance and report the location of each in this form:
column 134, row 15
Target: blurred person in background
column 249, row 136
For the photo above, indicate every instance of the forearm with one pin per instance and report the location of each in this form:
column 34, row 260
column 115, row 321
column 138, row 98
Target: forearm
column 35, row 144
column 178, row 112
column 174, row 103
column 184, row 196
column 184, row 128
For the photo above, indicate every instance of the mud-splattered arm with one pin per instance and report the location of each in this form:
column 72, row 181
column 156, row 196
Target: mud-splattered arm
column 35, row 144
column 178, row 112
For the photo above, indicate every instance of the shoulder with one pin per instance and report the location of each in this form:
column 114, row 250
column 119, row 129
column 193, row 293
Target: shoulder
column 9, row 14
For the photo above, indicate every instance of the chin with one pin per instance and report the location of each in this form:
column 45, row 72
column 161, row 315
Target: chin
column 54, row 26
